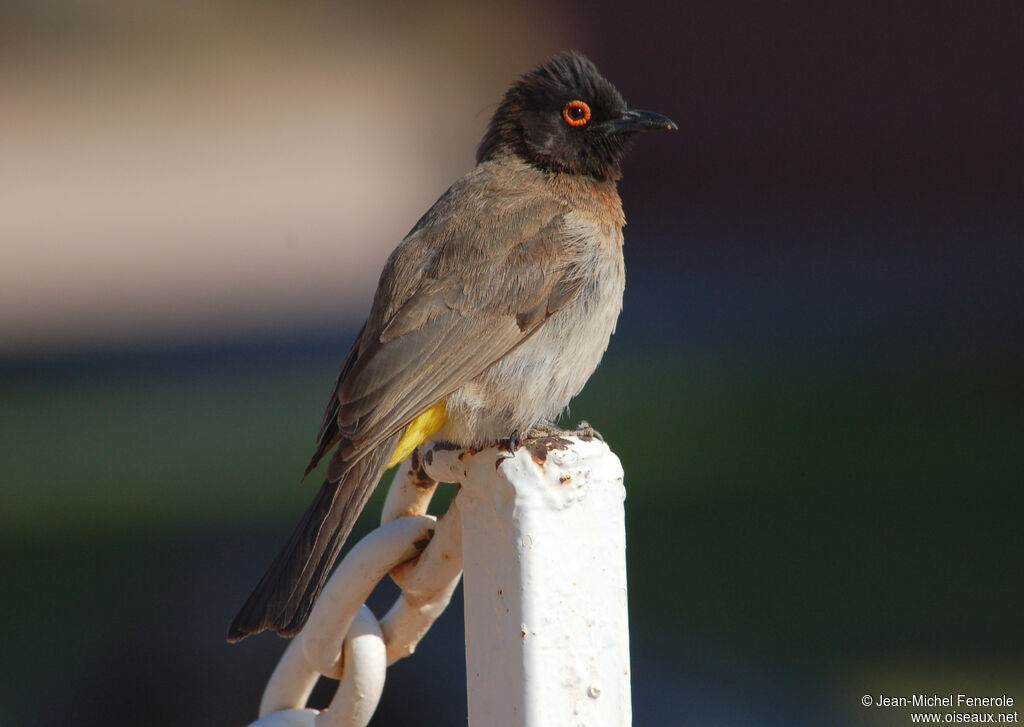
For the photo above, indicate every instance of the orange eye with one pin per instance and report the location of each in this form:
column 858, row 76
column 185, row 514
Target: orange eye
column 576, row 113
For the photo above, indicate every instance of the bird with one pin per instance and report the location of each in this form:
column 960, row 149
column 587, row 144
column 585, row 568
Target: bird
column 488, row 318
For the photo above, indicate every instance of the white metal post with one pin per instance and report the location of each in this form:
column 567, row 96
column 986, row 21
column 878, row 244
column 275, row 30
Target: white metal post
column 543, row 542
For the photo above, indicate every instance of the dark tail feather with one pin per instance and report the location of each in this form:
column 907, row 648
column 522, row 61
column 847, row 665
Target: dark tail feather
column 284, row 597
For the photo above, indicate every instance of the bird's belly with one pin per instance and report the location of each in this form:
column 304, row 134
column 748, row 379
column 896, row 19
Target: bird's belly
column 536, row 381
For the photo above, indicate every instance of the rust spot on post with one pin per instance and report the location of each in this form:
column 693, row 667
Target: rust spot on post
column 418, row 477
column 439, row 447
column 539, row 448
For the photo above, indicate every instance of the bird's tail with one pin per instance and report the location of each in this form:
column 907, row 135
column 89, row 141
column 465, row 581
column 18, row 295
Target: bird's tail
column 284, row 597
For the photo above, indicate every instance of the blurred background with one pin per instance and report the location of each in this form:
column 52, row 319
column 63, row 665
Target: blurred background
column 815, row 388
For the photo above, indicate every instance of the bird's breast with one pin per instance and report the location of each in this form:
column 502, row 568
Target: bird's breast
column 536, row 380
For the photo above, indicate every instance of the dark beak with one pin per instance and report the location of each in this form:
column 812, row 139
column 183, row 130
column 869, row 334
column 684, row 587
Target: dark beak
column 635, row 120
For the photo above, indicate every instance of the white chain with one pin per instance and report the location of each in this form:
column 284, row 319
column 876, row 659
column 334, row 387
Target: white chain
column 342, row 638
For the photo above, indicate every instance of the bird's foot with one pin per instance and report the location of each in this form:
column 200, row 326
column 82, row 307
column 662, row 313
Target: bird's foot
column 584, row 431
column 547, row 430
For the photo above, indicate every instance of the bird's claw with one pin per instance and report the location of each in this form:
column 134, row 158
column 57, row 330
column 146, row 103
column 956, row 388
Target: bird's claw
column 583, row 430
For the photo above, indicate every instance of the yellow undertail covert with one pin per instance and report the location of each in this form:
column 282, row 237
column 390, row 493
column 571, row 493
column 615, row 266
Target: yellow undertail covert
column 419, row 429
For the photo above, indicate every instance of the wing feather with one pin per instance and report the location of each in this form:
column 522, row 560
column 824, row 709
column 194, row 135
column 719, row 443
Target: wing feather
column 485, row 277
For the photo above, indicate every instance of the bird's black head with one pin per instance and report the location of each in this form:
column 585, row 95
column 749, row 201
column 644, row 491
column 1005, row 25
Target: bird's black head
column 565, row 116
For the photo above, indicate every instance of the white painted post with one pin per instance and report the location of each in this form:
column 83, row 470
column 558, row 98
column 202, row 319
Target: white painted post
column 543, row 539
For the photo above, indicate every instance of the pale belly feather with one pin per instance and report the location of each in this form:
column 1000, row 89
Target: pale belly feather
column 536, row 381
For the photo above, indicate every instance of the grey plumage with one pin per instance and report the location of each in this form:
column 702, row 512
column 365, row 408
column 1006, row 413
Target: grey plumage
column 500, row 302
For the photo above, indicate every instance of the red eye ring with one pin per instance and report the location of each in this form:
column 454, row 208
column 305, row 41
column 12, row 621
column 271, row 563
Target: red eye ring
column 576, row 113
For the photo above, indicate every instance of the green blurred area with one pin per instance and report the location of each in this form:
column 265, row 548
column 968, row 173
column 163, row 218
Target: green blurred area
column 817, row 509
column 824, row 511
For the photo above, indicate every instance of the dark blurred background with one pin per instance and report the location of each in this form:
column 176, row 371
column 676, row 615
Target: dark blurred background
column 816, row 386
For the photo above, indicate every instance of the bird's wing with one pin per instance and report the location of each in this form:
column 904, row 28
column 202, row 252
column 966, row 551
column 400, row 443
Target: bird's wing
column 488, row 277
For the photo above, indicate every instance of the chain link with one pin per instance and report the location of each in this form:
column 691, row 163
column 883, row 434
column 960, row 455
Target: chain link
column 342, row 638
